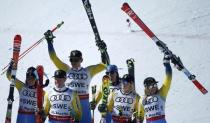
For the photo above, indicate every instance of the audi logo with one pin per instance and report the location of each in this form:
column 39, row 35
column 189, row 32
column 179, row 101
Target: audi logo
column 124, row 100
column 29, row 93
column 77, row 76
column 61, row 97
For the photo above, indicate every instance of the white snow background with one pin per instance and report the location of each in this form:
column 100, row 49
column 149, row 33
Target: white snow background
column 182, row 24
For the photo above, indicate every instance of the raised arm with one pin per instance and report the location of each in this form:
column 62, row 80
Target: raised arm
column 168, row 77
column 104, row 54
column 58, row 63
column 18, row 84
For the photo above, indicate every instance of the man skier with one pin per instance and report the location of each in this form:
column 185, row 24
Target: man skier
column 78, row 78
column 152, row 105
column 112, row 71
column 62, row 105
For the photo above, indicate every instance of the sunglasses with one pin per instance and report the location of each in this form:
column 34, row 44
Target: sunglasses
column 109, row 73
column 74, row 59
column 151, row 86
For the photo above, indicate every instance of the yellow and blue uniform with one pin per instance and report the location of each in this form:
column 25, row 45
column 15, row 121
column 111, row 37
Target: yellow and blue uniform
column 62, row 105
column 27, row 101
column 127, row 103
column 78, row 80
column 153, row 106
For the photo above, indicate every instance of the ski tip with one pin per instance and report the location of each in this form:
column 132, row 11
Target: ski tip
column 17, row 37
column 124, row 5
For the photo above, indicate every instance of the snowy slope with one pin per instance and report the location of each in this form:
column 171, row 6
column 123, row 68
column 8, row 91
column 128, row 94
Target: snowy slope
column 183, row 25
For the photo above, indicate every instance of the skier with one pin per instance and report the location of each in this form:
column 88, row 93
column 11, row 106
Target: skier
column 152, row 104
column 112, row 71
column 78, row 78
column 123, row 102
column 61, row 104
column 27, row 96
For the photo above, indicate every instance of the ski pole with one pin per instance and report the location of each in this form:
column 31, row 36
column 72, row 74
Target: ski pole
column 93, row 100
column 32, row 46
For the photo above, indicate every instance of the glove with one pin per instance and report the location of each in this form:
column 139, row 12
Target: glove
column 11, row 63
column 92, row 105
column 49, row 36
column 177, row 62
column 101, row 45
column 102, row 108
column 166, row 58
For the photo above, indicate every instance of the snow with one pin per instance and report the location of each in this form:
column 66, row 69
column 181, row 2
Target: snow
column 183, row 25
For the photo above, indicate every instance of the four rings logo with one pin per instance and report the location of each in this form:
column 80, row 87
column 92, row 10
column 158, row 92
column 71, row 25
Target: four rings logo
column 150, row 100
column 124, row 100
column 77, row 76
column 60, row 98
column 29, row 93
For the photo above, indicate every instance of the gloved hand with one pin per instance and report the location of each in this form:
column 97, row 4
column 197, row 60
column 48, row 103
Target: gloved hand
column 101, row 45
column 166, row 58
column 177, row 62
column 102, row 108
column 11, row 63
column 49, row 36
column 92, row 105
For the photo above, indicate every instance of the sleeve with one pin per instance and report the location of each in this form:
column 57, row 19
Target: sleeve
column 47, row 104
column 110, row 104
column 77, row 106
column 94, row 69
column 167, row 81
column 140, row 111
column 18, row 84
column 58, row 63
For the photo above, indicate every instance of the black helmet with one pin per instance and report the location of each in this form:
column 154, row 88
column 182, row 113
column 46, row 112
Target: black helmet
column 128, row 78
column 30, row 72
column 76, row 53
column 59, row 74
column 149, row 81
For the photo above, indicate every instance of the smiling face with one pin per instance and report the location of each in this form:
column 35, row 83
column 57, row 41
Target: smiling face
column 30, row 80
column 113, row 76
column 60, row 82
column 75, row 61
column 151, row 89
column 127, row 87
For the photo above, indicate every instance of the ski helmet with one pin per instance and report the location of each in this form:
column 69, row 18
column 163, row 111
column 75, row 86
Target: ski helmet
column 59, row 74
column 30, row 72
column 111, row 69
column 128, row 78
column 76, row 53
column 149, row 81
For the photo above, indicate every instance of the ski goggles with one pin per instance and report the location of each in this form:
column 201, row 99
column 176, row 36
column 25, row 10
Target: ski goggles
column 74, row 59
column 151, row 86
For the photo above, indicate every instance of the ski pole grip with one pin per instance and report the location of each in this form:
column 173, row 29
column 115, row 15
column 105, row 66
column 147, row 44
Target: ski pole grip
column 58, row 26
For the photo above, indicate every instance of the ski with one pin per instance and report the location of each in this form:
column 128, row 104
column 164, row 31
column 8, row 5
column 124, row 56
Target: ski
column 162, row 46
column 93, row 99
column 131, row 68
column 89, row 12
column 14, row 65
column 105, row 94
column 40, row 93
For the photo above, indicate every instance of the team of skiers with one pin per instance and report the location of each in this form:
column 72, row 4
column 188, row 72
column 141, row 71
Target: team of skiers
column 68, row 100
